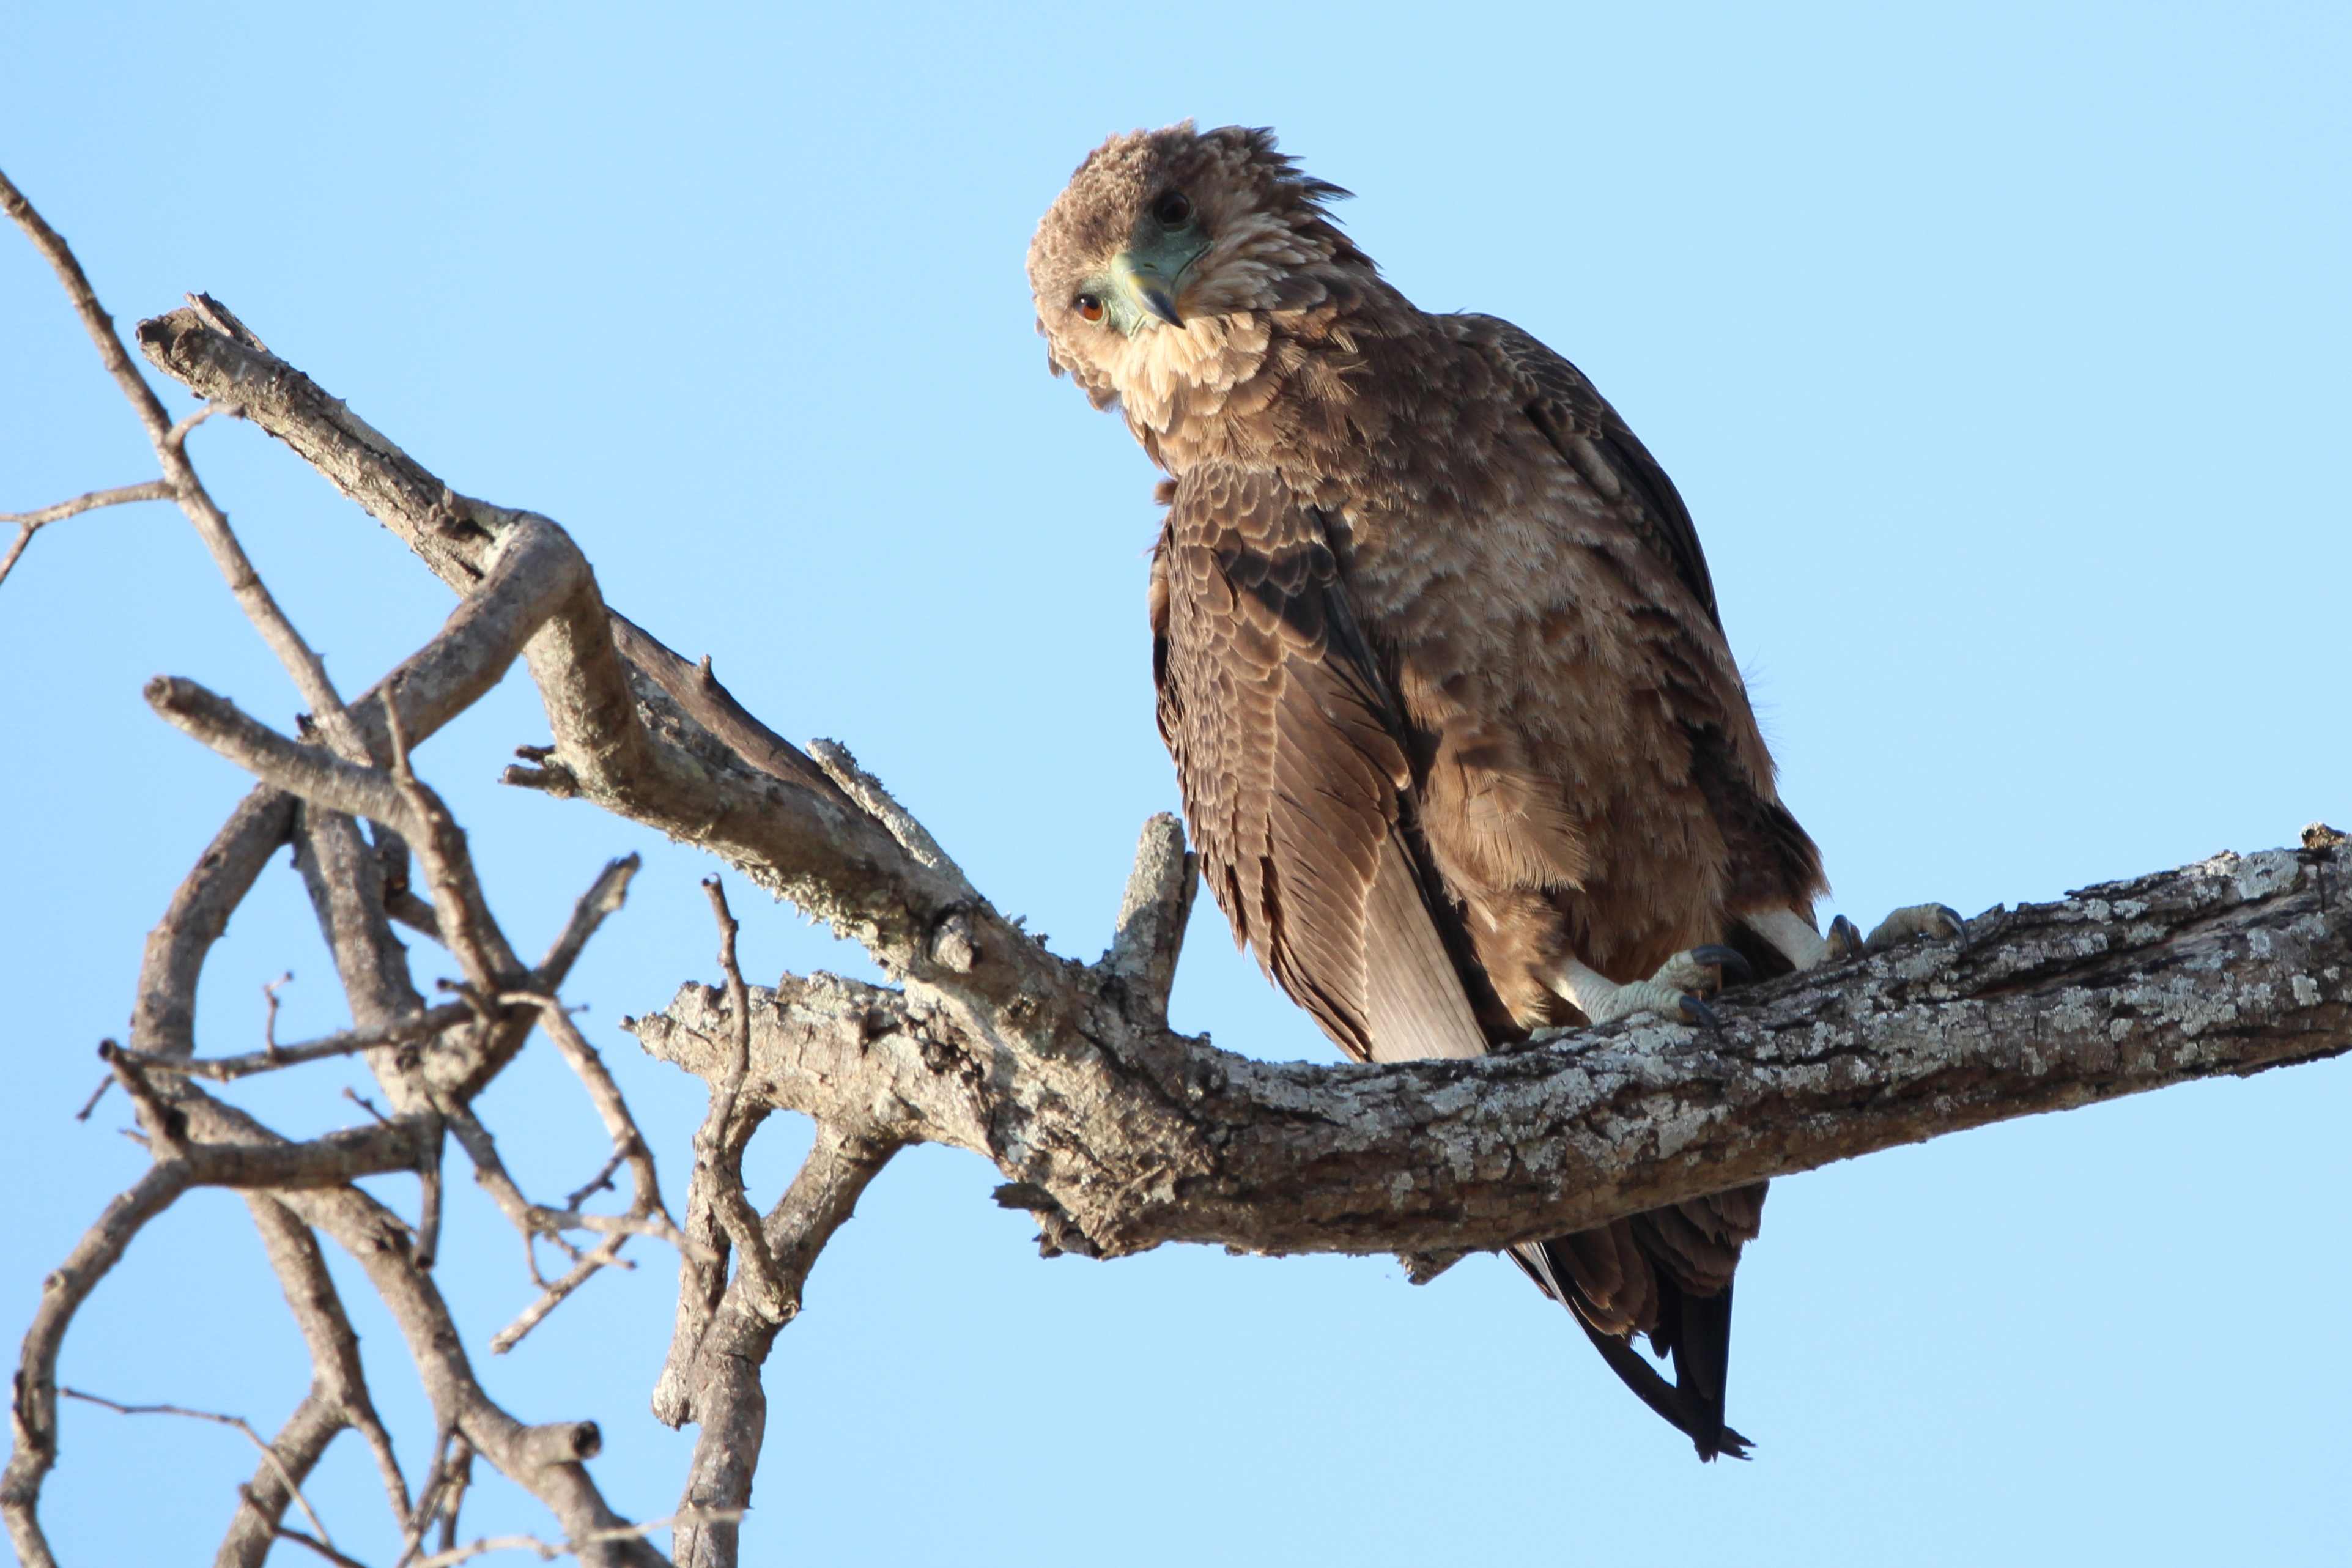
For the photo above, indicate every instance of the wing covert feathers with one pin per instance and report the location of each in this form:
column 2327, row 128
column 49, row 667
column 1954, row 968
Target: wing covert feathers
column 1597, row 442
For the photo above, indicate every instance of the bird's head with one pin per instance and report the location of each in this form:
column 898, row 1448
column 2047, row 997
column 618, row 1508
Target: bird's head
column 1166, row 248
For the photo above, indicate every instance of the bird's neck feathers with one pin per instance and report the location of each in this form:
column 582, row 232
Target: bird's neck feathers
column 1261, row 385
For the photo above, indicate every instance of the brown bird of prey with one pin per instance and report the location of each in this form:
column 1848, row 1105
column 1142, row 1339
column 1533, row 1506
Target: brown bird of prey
column 1461, row 744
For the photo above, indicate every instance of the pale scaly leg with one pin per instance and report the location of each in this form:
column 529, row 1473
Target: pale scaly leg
column 1678, row 990
column 1802, row 945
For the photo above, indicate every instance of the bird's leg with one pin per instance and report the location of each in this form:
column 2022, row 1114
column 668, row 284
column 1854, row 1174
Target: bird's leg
column 1802, row 945
column 1678, row 990
column 1794, row 936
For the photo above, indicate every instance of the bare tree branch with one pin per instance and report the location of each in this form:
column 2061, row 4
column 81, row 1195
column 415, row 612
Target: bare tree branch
column 339, row 1393
column 309, row 672
column 33, row 1411
column 719, row 1145
column 197, row 1140
column 1153, row 915
column 287, row 1461
column 162, row 1024
column 2229, row 966
column 720, row 1389
column 416, row 1027
column 31, row 522
column 646, row 1214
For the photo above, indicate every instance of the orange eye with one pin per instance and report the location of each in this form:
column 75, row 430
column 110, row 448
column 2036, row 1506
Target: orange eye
column 1090, row 307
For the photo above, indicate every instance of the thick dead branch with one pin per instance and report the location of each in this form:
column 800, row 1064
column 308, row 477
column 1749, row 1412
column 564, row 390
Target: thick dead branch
column 344, row 877
column 2229, row 966
column 398, row 1144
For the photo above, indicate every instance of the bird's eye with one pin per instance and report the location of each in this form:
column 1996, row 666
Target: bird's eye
column 1090, row 307
column 1173, row 210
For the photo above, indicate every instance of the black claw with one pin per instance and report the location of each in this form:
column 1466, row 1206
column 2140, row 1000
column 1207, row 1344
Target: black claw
column 1952, row 918
column 1701, row 1013
column 1846, row 937
column 1729, row 958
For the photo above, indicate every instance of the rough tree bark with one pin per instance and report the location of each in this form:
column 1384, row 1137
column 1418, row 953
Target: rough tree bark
column 1116, row 1132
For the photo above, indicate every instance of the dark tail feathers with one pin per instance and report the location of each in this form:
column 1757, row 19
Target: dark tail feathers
column 1694, row 1329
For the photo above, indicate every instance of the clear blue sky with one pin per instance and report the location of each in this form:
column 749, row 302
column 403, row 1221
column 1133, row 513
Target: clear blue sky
column 2000, row 350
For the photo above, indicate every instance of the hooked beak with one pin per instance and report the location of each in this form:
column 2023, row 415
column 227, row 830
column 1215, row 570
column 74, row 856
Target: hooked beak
column 1148, row 287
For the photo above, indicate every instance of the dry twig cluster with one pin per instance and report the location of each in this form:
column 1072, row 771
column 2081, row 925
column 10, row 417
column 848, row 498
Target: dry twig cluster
column 1116, row 1131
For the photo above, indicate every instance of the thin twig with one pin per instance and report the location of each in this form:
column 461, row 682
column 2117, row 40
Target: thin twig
column 285, row 1478
column 270, row 1021
column 602, row 1181
column 301, row 661
column 176, row 437
column 288, row 1532
column 646, row 1214
column 121, row 495
column 95, row 1096
column 345, row 1043
column 429, row 1203
column 163, row 1122
column 603, row 899
column 718, row 1146
column 31, row 522
column 628, row 1142
column 605, row 1255
column 428, row 1498
column 549, row 1550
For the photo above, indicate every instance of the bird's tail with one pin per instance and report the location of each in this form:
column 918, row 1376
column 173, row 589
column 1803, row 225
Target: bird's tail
column 1696, row 1329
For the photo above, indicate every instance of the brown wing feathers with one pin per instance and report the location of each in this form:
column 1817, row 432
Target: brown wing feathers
column 1285, row 744
column 1289, row 748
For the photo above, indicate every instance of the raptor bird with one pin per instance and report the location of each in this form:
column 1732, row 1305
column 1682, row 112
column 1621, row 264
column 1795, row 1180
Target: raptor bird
column 1460, row 743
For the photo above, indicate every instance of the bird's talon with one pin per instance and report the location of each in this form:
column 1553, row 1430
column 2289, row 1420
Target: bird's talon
column 1701, row 1013
column 1729, row 958
column 1846, row 940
